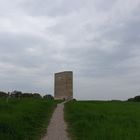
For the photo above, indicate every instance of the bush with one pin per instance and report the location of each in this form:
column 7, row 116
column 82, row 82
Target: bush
column 135, row 99
column 37, row 95
column 3, row 94
column 49, row 97
column 16, row 94
column 27, row 95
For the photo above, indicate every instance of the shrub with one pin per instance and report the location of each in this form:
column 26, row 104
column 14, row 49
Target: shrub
column 3, row 94
column 49, row 97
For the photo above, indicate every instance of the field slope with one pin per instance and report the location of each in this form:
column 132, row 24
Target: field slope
column 95, row 120
column 24, row 119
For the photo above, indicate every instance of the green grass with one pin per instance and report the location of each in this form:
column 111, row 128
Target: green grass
column 24, row 119
column 95, row 120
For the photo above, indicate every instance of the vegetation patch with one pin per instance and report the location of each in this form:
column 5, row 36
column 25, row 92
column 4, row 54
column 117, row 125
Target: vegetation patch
column 24, row 119
column 96, row 120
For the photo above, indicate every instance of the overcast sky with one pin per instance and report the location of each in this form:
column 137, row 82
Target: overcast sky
column 99, row 40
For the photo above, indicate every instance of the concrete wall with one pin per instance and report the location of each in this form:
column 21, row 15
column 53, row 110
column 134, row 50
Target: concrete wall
column 63, row 85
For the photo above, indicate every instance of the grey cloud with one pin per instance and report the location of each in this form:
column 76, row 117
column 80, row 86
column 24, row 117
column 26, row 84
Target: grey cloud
column 99, row 62
column 87, row 37
column 55, row 8
column 62, row 7
column 41, row 7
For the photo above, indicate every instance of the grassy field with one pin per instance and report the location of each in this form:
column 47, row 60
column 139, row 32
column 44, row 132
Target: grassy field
column 24, row 119
column 95, row 120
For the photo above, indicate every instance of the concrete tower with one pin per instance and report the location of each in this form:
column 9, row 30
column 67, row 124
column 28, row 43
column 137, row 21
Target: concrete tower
column 63, row 85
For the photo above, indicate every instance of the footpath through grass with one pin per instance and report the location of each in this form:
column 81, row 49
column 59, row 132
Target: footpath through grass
column 24, row 119
column 103, row 120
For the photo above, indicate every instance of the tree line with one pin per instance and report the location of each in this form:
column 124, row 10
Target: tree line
column 19, row 94
column 135, row 99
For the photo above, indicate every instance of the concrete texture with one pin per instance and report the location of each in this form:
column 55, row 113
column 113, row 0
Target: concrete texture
column 64, row 85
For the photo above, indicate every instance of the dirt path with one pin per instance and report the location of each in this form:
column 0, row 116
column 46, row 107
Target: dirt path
column 57, row 127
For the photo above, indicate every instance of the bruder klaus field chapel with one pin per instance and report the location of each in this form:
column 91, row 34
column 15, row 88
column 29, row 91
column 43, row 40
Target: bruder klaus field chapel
column 63, row 84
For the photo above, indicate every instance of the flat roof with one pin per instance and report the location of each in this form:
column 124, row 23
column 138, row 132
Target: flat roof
column 64, row 72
